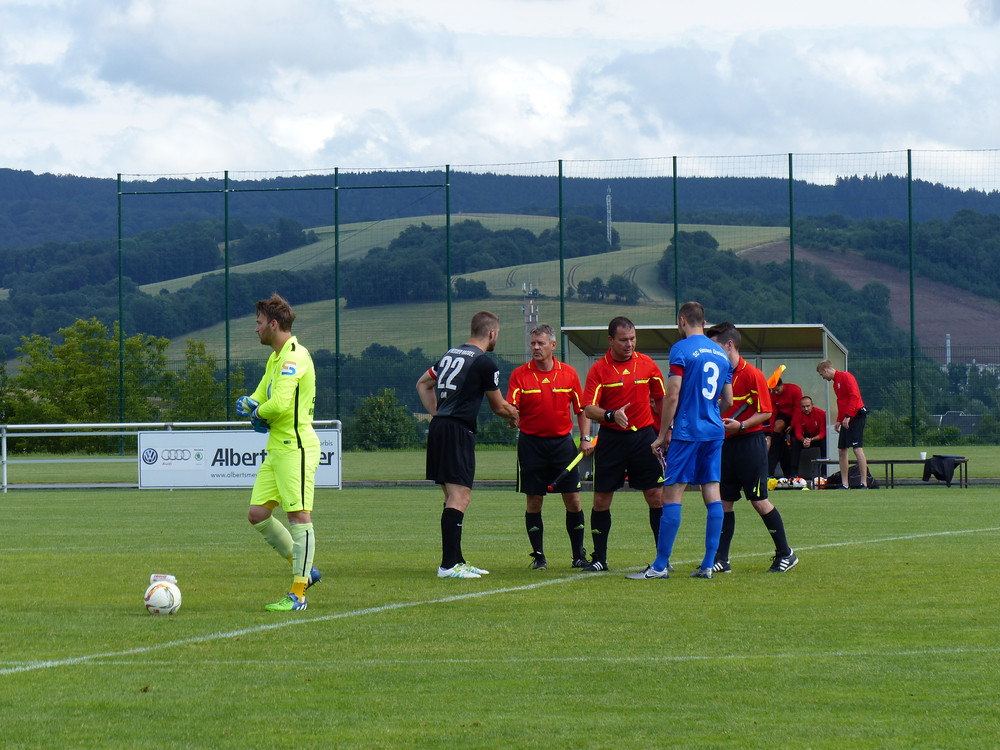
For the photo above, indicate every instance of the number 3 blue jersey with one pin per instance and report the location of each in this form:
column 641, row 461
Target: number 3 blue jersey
column 705, row 369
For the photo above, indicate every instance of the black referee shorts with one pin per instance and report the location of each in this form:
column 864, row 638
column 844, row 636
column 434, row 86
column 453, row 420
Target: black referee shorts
column 744, row 467
column 621, row 453
column 541, row 459
column 451, row 452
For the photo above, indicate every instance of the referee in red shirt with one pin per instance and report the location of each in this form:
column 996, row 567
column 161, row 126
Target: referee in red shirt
column 620, row 388
column 546, row 393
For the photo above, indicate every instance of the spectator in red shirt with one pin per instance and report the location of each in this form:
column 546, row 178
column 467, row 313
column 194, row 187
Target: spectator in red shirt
column 808, row 431
column 851, row 416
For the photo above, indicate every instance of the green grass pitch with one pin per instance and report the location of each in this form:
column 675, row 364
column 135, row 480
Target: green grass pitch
column 885, row 635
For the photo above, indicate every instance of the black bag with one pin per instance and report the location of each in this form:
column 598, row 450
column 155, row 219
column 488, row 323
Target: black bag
column 854, row 479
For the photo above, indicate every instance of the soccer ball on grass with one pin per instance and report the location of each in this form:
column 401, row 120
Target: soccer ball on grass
column 162, row 598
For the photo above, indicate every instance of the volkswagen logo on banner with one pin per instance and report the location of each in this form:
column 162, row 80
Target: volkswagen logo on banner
column 180, row 454
column 149, row 456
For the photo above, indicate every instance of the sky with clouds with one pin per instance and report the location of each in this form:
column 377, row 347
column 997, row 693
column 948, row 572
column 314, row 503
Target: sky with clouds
column 188, row 86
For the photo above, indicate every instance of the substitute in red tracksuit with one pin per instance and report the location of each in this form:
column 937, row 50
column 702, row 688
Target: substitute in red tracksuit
column 851, row 416
column 785, row 398
column 547, row 393
column 808, row 431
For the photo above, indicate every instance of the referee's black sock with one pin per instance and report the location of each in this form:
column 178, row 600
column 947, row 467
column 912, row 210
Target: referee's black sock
column 726, row 537
column 600, row 527
column 451, row 537
column 654, row 523
column 776, row 527
column 576, row 526
column 533, row 523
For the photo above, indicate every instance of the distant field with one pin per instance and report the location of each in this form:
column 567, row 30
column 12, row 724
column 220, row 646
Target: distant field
column 492, row 464
column 424, row 325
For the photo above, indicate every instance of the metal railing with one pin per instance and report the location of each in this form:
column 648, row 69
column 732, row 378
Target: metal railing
column 108, row 429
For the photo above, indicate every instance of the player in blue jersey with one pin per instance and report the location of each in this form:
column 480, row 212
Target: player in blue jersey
column 698, row 386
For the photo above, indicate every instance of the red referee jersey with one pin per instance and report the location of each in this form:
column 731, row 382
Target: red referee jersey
column 749, row 387
column 545, row 399
column 612, row 384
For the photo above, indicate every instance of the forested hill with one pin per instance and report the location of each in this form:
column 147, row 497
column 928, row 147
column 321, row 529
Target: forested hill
column 36, row 209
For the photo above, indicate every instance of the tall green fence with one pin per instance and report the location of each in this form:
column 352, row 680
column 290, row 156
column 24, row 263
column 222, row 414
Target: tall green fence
column 391, row 264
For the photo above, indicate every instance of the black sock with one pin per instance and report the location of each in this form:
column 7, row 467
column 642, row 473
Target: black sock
column 451, row 537
column 726, row 537
column 776, row 528
column 576, row 526
column 533, row 523
column 600, row 527
column 654, row 522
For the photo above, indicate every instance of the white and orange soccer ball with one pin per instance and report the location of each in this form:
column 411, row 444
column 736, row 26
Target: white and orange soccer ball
column 162, row 598
column 819, row 483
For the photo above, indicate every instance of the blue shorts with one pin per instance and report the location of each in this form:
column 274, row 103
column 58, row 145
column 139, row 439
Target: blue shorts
column 693, row 462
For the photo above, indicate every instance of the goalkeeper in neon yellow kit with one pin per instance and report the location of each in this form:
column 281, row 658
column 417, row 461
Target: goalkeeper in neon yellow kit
column 282, row 405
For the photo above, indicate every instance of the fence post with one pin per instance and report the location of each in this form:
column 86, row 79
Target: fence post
column 791, row 231
column 677, row 277
column 913, row 321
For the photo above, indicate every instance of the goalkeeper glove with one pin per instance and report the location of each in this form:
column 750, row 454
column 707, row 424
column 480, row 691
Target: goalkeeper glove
column 245, row 405
column 258, row 423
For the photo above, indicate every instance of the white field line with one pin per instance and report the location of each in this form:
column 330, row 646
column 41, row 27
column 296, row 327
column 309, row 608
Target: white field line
column 298, row 621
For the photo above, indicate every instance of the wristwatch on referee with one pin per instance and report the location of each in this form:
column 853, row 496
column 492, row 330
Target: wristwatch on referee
column 585, row 437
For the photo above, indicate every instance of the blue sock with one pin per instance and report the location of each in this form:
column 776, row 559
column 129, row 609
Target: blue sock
column 670, row 522
column 713, row 527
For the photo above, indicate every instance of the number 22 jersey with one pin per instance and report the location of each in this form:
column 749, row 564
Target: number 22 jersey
column 705, row 369
column 464, row 374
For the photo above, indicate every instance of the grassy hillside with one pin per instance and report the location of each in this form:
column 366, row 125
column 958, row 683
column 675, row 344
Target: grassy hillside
column 358, row 238
column 424, row 325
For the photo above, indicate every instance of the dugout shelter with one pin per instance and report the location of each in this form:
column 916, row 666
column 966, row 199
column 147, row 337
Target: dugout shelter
column 798, row 346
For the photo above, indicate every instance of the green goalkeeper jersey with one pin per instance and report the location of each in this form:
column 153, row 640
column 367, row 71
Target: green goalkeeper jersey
column 287, row 396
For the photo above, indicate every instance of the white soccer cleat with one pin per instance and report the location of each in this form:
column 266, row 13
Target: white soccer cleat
column 457, row 571
column 474, row 569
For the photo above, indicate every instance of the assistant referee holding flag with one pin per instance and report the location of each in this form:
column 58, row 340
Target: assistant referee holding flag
column 546, row 392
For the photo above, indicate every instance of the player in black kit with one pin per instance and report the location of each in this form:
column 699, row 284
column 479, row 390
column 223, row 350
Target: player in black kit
column 452, row 392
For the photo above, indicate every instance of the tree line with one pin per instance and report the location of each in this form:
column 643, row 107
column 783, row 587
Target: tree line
column 75, row 379
column 412, row 268
column 37, row 209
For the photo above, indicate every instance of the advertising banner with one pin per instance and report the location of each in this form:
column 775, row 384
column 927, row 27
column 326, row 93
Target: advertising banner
column 220, row 458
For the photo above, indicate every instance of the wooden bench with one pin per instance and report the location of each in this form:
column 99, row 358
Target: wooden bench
column 889, row 465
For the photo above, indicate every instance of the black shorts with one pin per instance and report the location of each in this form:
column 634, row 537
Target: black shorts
column 853, row 436
column 541, row 459
column 451, row 452
column 744, row 467
column 628, row 453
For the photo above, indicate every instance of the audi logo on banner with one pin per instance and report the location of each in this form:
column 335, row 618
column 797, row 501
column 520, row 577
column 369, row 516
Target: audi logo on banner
column 150, row 455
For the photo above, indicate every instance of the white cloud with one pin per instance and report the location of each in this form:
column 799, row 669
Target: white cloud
column 185, row 86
